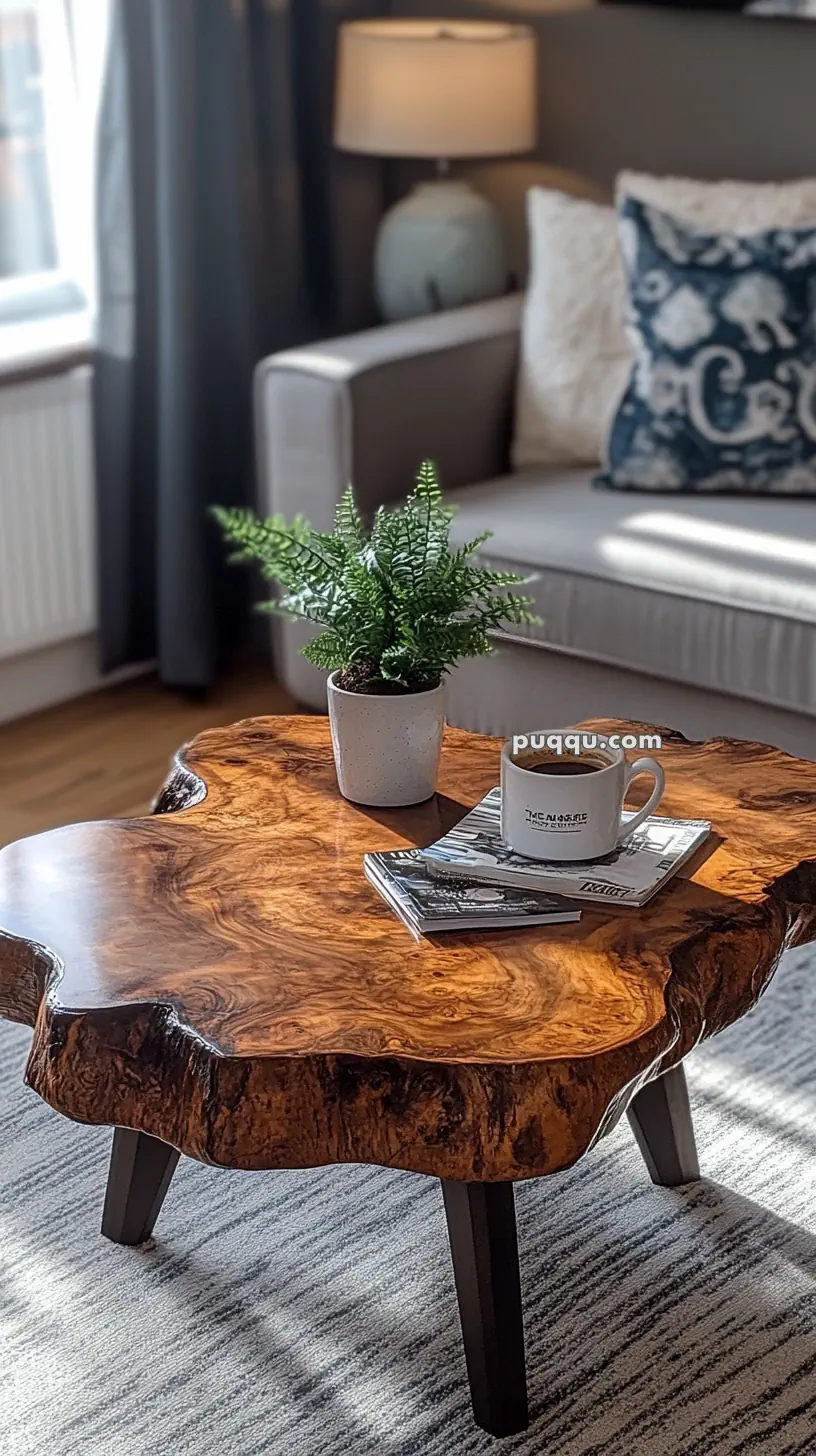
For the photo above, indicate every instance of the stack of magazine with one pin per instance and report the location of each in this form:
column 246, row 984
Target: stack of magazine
column 630, row 875
column 427, row 904
column 470, row 880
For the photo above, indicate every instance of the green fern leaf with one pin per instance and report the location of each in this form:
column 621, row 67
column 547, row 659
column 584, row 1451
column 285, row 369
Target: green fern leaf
column 348, row 523
column 328, row 651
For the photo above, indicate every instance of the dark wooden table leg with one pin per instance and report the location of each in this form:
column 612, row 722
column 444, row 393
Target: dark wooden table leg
column 140, row 1171
column 661, row 1121
column 482, row 1229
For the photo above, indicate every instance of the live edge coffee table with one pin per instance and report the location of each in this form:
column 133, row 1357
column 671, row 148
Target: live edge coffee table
column 220, row 980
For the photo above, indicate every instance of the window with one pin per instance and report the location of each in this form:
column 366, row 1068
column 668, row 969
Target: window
column 51, row 64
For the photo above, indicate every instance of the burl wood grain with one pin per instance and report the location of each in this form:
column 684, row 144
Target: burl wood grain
column 222, row 976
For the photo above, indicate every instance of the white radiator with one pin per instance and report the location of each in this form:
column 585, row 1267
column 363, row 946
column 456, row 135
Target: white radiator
column 47, row 551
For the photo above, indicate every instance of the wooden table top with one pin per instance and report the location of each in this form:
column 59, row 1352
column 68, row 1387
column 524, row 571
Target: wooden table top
column 223, row 976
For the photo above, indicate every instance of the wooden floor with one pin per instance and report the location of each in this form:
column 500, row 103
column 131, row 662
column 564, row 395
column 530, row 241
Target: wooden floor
column 106, row 754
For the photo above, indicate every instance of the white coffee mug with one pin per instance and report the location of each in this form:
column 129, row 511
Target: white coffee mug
column 571, row 816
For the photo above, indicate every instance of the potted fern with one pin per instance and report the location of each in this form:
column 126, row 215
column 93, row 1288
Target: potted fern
column 399, row 606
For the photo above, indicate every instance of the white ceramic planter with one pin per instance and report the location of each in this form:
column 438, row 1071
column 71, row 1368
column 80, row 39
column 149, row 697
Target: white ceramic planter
column 386, row 748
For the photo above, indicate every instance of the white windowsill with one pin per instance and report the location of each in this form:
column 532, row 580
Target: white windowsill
column 43, row 341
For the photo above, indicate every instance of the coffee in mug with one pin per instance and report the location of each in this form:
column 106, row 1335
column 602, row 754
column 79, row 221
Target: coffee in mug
column 562, row 767
column 569, row 806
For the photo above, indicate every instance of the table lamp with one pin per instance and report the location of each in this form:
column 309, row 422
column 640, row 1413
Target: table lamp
column 442, row 90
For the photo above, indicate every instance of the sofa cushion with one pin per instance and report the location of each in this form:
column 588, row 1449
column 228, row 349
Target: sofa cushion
column 575, row 355
column 721, row 394
column 715, row 591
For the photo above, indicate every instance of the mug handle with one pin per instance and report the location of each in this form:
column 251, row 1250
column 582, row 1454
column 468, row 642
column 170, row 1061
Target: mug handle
column 640, row 766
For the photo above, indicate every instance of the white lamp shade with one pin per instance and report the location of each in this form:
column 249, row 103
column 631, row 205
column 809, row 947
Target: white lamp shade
column 435, row 88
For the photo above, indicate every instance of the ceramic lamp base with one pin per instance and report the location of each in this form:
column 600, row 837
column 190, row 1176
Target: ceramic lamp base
column 440, row 247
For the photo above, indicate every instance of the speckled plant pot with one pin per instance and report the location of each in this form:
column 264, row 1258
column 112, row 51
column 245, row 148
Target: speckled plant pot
column 386, row 749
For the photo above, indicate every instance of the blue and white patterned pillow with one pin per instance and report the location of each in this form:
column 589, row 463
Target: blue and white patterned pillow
column 723, row 391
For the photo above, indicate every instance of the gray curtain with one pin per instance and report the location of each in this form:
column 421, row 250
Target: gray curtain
column 227, row 228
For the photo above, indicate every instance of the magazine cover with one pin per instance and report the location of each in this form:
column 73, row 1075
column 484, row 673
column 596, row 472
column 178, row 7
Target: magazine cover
column 429, row 904
column 631, row 874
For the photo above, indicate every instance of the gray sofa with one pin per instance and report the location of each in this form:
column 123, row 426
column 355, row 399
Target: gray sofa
column 698, row 613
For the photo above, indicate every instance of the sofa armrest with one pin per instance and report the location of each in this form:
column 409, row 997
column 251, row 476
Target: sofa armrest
column 370, row 407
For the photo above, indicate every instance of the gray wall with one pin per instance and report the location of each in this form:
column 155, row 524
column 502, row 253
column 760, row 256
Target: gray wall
column 696, row 93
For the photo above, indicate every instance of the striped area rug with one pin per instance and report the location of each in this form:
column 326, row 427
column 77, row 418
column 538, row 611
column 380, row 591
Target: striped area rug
column 314, row 1312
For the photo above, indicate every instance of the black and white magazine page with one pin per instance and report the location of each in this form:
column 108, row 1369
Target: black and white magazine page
column 430, row 904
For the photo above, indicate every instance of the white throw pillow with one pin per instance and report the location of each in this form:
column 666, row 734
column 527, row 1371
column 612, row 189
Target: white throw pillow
column 724, row 207
column 575, row 354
